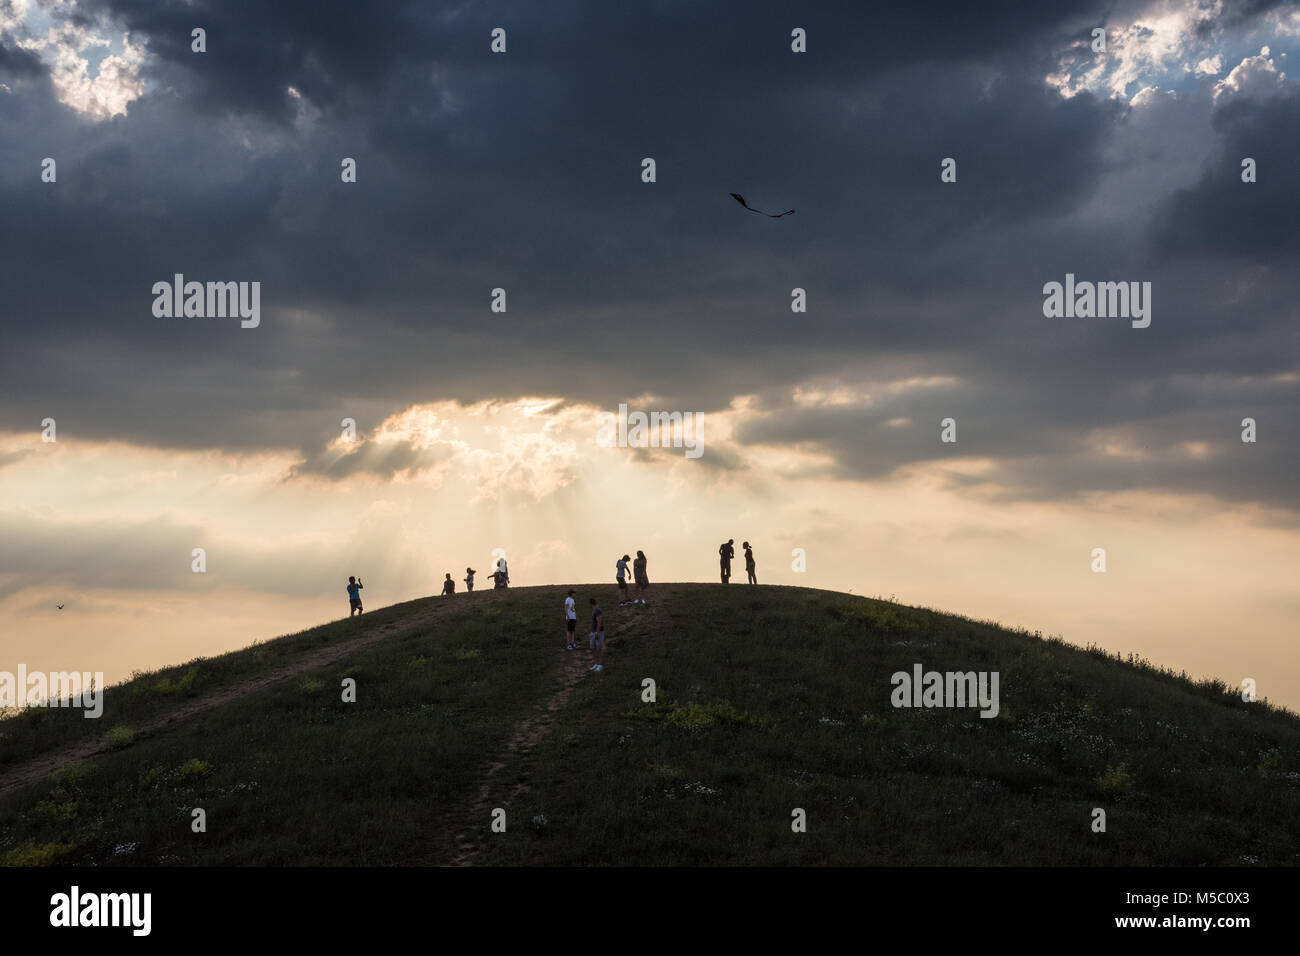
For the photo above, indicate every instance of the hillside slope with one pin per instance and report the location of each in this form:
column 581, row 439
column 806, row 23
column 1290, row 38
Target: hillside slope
column 769, row 699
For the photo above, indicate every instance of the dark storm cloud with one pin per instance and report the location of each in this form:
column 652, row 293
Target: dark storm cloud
column 18, row 63
column 686, row 52
column 1222, row 216
column 254, row 50
column 522, row 171
column 1172, row 434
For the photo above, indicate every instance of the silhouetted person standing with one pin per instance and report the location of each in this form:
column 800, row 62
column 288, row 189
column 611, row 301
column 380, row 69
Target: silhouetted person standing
column 621, row 568
column 642, row 580
column 749, row 563
column 570, row 621
column 597, row 638
column 448, row 586
column 354, row 596
column 726, row 552
column 469, row 579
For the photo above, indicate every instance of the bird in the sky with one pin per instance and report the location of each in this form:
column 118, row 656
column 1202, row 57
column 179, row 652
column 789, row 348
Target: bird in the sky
column 60, row 607
column 741, row 199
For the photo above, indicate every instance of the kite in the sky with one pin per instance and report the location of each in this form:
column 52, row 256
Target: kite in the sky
column 741, row 199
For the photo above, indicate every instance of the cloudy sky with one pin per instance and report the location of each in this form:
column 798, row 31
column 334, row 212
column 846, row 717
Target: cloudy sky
column 522, row 171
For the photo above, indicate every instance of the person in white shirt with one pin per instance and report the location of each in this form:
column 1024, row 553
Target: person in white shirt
column 621, row 568
column 570, row 620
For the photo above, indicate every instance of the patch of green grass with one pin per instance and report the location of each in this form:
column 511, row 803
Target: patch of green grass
column 879, row 615
column 58, row 808
column 694, row 716
column 31, row 853
column 73, row 774
column 194, row 769
column 151, row 776
column 1115, row 780
column 119, row 737
column 186, row 684
column 873, row 722
column 1270, row 765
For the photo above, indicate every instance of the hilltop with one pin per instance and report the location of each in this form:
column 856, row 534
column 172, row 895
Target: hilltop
column 768, row 699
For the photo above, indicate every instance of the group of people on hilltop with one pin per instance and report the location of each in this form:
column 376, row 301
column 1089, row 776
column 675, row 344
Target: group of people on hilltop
column 727, row 551
column 500, row 578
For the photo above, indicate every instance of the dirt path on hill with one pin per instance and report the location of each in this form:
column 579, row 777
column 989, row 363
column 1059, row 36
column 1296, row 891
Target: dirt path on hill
column 529, row 733
column 40, row 768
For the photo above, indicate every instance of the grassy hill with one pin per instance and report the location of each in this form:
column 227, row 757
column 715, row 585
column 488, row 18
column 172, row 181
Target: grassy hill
column 768, row 699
